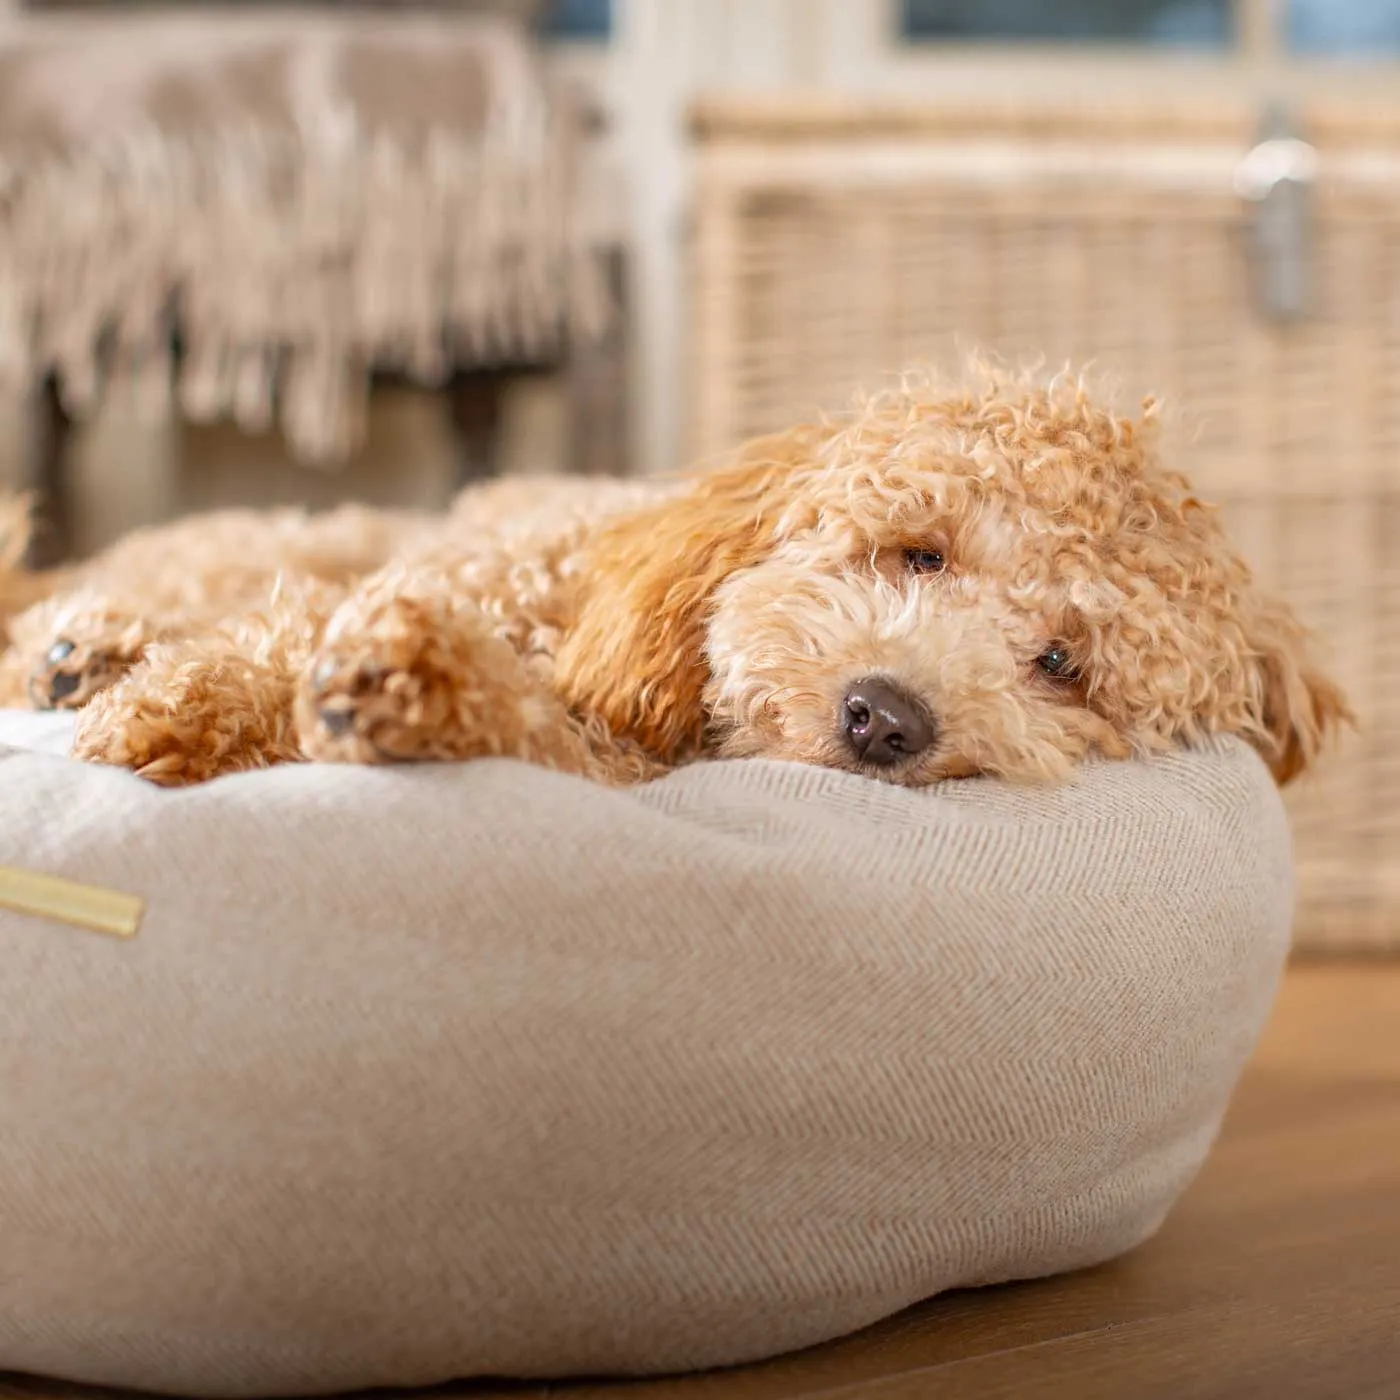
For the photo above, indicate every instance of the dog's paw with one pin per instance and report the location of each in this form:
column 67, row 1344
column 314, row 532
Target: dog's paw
column 398, row 682
column 73, row 670
column 183, row 717
column 357, row 710
column 152, row 744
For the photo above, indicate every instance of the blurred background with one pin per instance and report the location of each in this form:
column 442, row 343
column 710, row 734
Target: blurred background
column 259, row 253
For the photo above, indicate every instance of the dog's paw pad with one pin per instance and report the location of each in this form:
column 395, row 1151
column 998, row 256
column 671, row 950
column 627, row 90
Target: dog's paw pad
column 364, row 711
column 68, row 675
column 337, row 719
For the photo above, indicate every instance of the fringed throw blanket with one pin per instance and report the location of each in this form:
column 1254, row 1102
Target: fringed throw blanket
column 301, row 197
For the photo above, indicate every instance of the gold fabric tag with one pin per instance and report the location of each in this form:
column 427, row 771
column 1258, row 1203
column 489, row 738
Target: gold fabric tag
column 85, row 906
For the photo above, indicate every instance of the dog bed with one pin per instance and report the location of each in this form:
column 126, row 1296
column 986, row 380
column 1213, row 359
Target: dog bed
column 425, row 1073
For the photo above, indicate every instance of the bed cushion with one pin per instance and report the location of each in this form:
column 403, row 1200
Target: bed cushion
column 416, row 1074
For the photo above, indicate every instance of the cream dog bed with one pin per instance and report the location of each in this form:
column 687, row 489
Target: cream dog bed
column 418, row 1074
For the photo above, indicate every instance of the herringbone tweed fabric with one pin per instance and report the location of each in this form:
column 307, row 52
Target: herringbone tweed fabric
column 420, row 1074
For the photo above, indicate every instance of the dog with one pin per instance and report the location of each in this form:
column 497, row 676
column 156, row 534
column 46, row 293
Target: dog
column 992, row 575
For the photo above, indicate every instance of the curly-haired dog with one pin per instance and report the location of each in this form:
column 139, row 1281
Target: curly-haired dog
column 997, row 578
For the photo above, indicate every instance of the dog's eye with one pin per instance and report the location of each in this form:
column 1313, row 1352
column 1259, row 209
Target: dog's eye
column 925, row 561
column 1056, row 663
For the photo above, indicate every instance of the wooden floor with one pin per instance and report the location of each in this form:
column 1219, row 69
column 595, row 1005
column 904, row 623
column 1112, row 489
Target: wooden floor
column 1277, row 1277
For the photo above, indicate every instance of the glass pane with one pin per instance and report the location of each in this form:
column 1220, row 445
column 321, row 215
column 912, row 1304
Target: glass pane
column 1344, row 26
column 579, row 19
column 1189, row 23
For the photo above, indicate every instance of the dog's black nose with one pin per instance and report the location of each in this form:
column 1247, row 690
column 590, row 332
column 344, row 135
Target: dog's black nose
column 883, row 724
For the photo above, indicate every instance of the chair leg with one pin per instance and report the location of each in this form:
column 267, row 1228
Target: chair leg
column 474, row 404
column 595, row 387
column 47, row 464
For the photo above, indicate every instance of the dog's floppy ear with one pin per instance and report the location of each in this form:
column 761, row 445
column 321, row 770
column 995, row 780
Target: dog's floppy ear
column 1300, row 711
column 634, row 655
column 1185, row 644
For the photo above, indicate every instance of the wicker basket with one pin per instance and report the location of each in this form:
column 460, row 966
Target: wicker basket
column 835, row 244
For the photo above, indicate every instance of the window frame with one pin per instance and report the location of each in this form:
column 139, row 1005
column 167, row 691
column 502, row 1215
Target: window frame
column 1257, row 65
column 556, row 39
column 1057, row 43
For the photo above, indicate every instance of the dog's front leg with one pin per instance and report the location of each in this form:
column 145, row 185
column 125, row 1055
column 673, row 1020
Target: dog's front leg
column 190, row 711
column 411, row 669
column 216, row 701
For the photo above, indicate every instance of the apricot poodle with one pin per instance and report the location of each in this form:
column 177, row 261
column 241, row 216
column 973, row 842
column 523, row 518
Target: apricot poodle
column 991, row 576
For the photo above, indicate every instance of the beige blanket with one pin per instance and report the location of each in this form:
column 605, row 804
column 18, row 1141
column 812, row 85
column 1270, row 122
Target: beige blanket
column 307, row 194
column 414, row 1074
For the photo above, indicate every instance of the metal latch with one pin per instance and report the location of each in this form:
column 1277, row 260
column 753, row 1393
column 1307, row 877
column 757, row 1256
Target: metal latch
column 1277, row 179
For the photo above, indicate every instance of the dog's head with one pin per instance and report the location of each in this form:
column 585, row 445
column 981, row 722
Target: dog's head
column 987, row 580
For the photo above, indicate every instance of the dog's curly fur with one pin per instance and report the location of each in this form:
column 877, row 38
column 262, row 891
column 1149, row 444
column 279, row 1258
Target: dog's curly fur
column 1009, row 553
